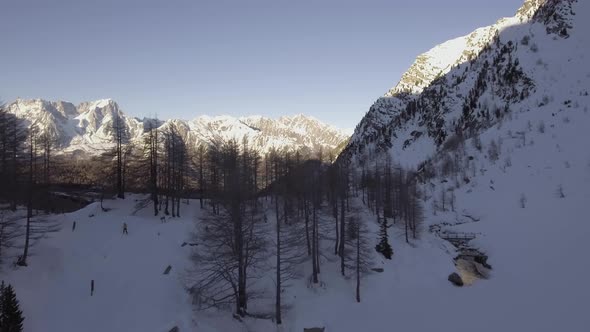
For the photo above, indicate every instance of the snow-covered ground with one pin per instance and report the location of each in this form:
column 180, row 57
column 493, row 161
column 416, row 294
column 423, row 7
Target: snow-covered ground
column 538, row 254
column 131, row 292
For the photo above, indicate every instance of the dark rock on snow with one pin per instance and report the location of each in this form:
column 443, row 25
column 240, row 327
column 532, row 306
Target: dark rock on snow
column 455, row 279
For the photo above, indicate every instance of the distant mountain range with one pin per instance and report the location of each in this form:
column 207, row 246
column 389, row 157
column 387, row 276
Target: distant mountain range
column 86, row 129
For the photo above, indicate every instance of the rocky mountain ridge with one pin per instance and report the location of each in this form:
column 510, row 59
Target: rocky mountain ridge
column 88, row 127
column 464, row 86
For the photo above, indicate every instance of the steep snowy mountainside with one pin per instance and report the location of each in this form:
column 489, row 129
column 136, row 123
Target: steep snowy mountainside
column 55, row 118
column 296, row 130
column 442, row 58
column 88, row 127
column 468, row 84
column 525, row 183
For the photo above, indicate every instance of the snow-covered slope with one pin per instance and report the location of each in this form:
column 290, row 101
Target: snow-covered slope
column 131, row 292
column 442, row 58
column 88, row 127
column 505, row 134
column 466, row 85
column 538, row 253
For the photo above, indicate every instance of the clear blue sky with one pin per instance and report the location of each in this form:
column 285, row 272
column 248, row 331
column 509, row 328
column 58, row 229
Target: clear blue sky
column 330, row 59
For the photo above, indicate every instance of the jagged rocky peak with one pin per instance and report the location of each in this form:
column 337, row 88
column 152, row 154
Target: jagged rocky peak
column 59, row 109
column 304, row 122
column 528, row 9
column 68, row 110
column 441, row 58
column 100, row 107
column 95, row 112
column 466, row 85
column 89, row 127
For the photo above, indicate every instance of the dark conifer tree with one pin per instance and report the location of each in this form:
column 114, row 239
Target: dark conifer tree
column 11, row 317
column 384, row 247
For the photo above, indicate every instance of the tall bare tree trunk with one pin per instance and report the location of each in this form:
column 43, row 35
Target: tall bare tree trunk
column 154, row 168
column 358, row 264
column 342, row 235
column 306, row 212
column 278, row 281
column 23, row 259
column 119, row 154
column 314, row 245
column 201, row 155
column 335, row 212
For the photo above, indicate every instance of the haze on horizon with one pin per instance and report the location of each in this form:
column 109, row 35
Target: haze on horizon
column 330, row 60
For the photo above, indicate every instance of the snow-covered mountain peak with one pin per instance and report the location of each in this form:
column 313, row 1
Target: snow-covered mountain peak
column 21, row 107
column 88, row 127
column 214, row 118
column 100, row 103
column 464, row 86
column 101, row 107
column 528, row 9
column 440, row 59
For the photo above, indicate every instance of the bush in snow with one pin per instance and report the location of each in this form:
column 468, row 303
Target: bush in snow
column 507, row 162
column 544, row 101
column 453, row 143
column 559, row 192
column 447, row 165
column 493, row 151
column 477, row 143
column 541, row 127
column 522, row 201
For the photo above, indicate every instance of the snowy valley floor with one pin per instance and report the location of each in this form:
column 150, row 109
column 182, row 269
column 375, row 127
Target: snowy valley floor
column 539, row 255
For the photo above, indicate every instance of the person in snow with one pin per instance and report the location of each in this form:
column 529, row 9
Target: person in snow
column 125, row 228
